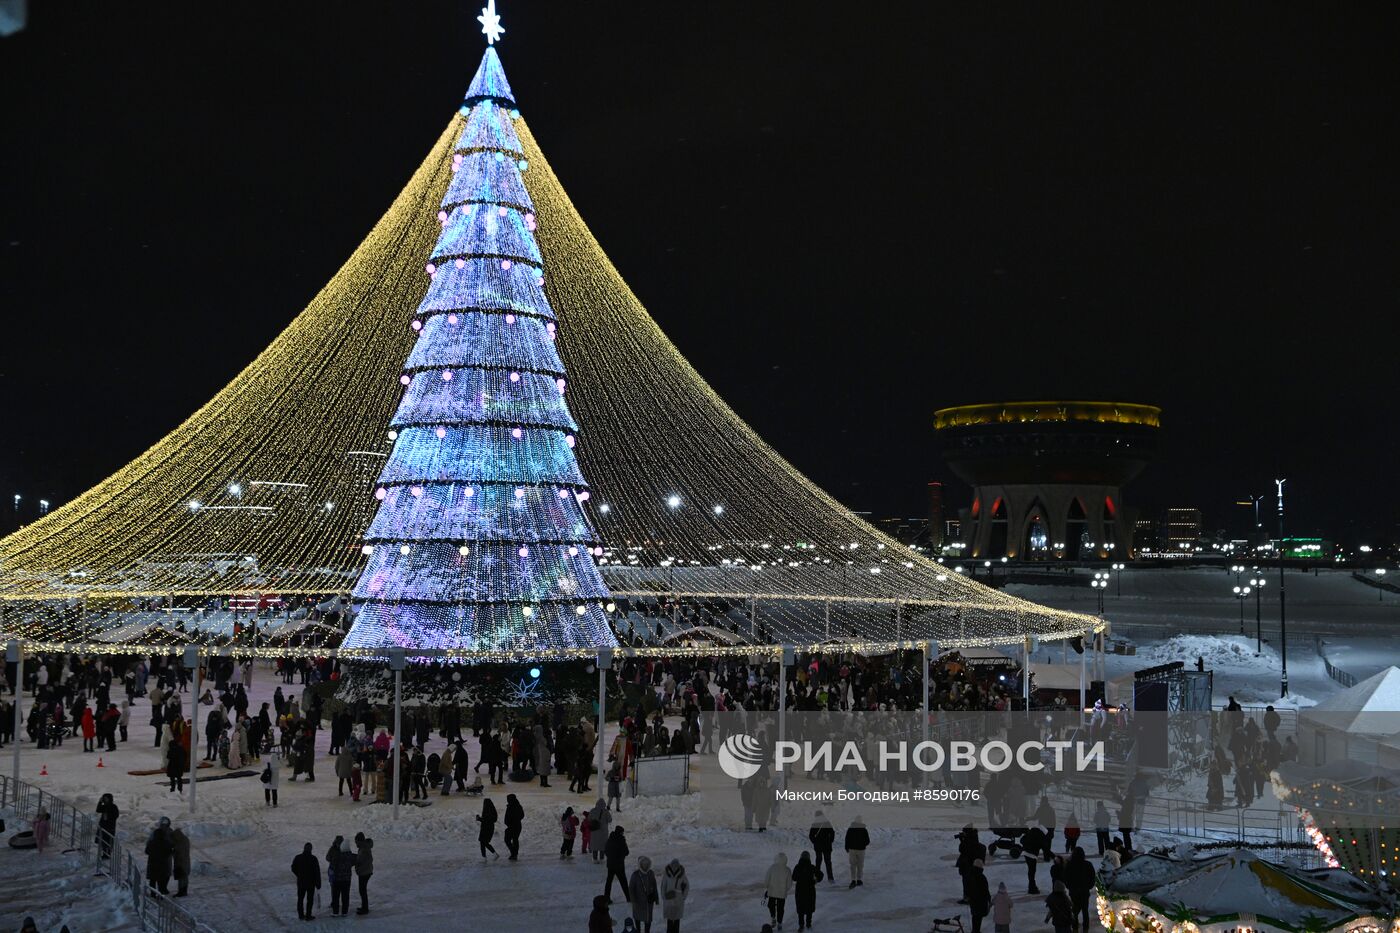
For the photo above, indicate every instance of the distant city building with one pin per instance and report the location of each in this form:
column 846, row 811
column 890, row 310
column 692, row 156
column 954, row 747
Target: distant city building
column 1048, row 477
column 1181, row 528
column 935, row 515
column 1146, row 535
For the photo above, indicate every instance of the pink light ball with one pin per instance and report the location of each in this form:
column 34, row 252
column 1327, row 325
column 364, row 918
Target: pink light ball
column 529, row 218
column 441, row 433
column 417, row 325
column 583, row 496
column 549, row 326
column 432, row 269
column 452, row 319
column 519, row 493
column 447, row 375
column 380, row 493
column 442, row 216
column 469, row 492
column 563, row 493
column 539, row 280
column 501, row 211
column 573, row 552
column 461, row 264
column 405, row 379
column 517, row 433
column 524, row 552
column 560, row 384
column 415, row 491
column 510, row 318
column 505, row 263
column 515, row 377
column 570, row 440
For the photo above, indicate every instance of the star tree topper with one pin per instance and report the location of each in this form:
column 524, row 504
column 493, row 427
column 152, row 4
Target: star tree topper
column 490, row 22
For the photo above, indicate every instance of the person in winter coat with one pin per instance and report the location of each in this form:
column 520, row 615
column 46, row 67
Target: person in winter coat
column 1059, row 912
column 340, row 865
column 979, row 896
column 1033, row 844
column 1101, row 825
column 1001, row 909
column 568, row 823
column 89, row 727
column 364, row 868
column 271, row 777
column 775, row 887
column 159, row 856
column 643, row 894
column 542, row 754
column 175, row 765
column 1072, row 833
column 487, row 819
column 600, row 921
column 515, row 816
column 460, row 766
column 107, row 814
column 675, row 888
column 180, row 853
column 857, row 841
column 804, row 882
column 307, row 871
column 615, row 851
column 124, row 722
column 445, row 770
column 41, row 830
column 344, row 762
column 823, row 836
column 1080, row 878
column 601, row 824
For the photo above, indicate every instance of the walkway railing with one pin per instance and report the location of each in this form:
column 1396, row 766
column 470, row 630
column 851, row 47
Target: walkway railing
column 1193, row 820
column 1336, row 673
column 77, row 831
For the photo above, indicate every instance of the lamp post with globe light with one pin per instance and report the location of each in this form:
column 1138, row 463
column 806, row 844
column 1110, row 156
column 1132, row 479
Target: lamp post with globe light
column 1099, row 583
column 1118, row 571
column 1241, row 594
column 1380, row 580
column 1258, row 584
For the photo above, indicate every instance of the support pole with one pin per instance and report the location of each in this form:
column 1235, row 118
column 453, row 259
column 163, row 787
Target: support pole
column 1026, row 674
column 927, row 661
column 192, row 660
column 14, row 653
column 396, row 662
column 1083, row 662
column 605, row 657
column 785, row 657
column 827, row 604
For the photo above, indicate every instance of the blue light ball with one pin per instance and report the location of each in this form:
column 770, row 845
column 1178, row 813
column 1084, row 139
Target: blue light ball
column 535, row 673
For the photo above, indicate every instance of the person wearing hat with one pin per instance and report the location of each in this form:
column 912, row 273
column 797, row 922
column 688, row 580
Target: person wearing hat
column 857, row 841
column 615, row 852
column 643, row 894
column 675, row 888
column 979, row 896
column 160, row 853
column 307, row 870
column 600, row 921
column 1001, row 909
column 1059, row 910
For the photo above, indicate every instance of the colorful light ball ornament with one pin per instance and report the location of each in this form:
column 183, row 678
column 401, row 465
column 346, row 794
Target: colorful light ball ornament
column 523, row 552
column 452, row 319
column 464, row 550
column 367, row 550
column 501, row 211
column 415, row 491
column 517, row 433
column 580, row 610
column 515, row 377
column 380, row 493
column 416, row 325
column 432, row 269
column 460, row 263
column 469, row 492
column 441, row 433
column 404, row 549
column 405, row 379
column 510, row 318
column 505, row 264
column 519, row 493
column 447, row 375
column 570, row 440
column 573, row 552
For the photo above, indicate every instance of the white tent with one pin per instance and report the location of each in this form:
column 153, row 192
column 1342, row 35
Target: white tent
column 1352, row 724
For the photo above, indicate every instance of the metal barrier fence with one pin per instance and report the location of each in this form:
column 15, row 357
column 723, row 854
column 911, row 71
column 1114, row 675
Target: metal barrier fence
column 1193, row 820
column 1336, row 673
column 79, row 832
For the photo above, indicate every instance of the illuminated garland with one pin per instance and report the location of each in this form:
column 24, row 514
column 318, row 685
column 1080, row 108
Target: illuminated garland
column 270, row 488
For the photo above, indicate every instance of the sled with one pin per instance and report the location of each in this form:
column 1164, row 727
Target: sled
column 946, row 924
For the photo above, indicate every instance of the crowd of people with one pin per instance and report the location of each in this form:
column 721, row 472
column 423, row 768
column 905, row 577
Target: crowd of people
column 1253, row 754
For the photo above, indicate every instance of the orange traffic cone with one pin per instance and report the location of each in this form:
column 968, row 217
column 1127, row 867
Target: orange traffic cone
column 99, row 762
column 44, row 770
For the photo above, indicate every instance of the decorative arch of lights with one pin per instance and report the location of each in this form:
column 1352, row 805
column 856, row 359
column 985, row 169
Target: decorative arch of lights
column 705, row 537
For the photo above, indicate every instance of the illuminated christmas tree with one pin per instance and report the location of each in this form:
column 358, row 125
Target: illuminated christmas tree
column 480, row 541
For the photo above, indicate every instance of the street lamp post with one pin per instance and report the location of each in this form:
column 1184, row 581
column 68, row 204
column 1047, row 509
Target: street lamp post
column 1241, row 594
column 1380, row 589
column 1282, row 585
column 1099, row 583
column 1118, row 569
column 1258, row 584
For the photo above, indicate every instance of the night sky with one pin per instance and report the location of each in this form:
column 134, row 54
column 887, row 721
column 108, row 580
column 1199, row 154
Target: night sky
column 845, row 219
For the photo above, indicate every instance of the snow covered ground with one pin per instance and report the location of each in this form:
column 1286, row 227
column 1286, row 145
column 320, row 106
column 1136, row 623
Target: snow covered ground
column 427, row 867
column 428, row 870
